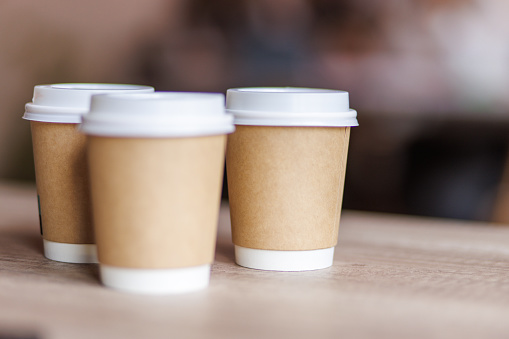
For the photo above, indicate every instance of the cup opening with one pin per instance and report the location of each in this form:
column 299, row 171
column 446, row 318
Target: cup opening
column 160, row 96
column 285, row 90
column 95, row 87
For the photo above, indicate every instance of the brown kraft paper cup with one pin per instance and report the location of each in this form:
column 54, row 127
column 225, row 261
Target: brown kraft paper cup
column 61, row 166
column 156, row 200
column 286, row 186
column 62, row 183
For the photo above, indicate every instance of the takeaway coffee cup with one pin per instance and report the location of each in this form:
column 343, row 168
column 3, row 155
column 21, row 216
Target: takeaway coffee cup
column 61, row 168
column 286, row 166
column 156, row 165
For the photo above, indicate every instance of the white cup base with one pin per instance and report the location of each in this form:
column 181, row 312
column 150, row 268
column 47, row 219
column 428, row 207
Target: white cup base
column 71, row 253
column 156, row 281
column 284, row 260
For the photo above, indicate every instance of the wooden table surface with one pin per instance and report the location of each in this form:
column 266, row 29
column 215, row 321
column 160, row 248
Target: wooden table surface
column 393, row 277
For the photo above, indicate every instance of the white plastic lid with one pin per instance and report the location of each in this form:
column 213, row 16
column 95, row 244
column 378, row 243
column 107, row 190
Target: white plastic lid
column 66, row 103
column 290, row 106
column 159, row 114
column 289, row 261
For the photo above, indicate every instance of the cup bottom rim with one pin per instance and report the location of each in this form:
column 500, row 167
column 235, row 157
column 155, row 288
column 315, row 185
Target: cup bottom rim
column 70, row 253
column 288, row 261
column 155, row 281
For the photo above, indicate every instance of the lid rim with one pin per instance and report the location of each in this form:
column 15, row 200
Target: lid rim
column 324, row 119
column 346, row 123
column 44, row 109
column 62, row 118
column 154, row 131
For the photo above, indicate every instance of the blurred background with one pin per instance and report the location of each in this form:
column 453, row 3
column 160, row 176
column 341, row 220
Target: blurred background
column 429, row 79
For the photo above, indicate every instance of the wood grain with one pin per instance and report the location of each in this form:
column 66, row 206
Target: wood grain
column 393, row 277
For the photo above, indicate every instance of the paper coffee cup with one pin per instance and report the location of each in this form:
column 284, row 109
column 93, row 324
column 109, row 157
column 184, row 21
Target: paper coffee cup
column 61, row 167
column 286, row 167
column 156, row 164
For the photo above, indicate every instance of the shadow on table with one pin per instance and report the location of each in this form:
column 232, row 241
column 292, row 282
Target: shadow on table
column 20, row 244
column 21, row 251
column 17, row 335
column 224, row 252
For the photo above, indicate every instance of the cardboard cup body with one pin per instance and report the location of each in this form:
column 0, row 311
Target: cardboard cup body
column 286, row 188
column 156, row 200
column 63, row 191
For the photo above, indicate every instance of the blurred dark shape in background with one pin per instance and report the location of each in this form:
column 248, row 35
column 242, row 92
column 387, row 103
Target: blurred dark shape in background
column 429, row 78
column 228, row 43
